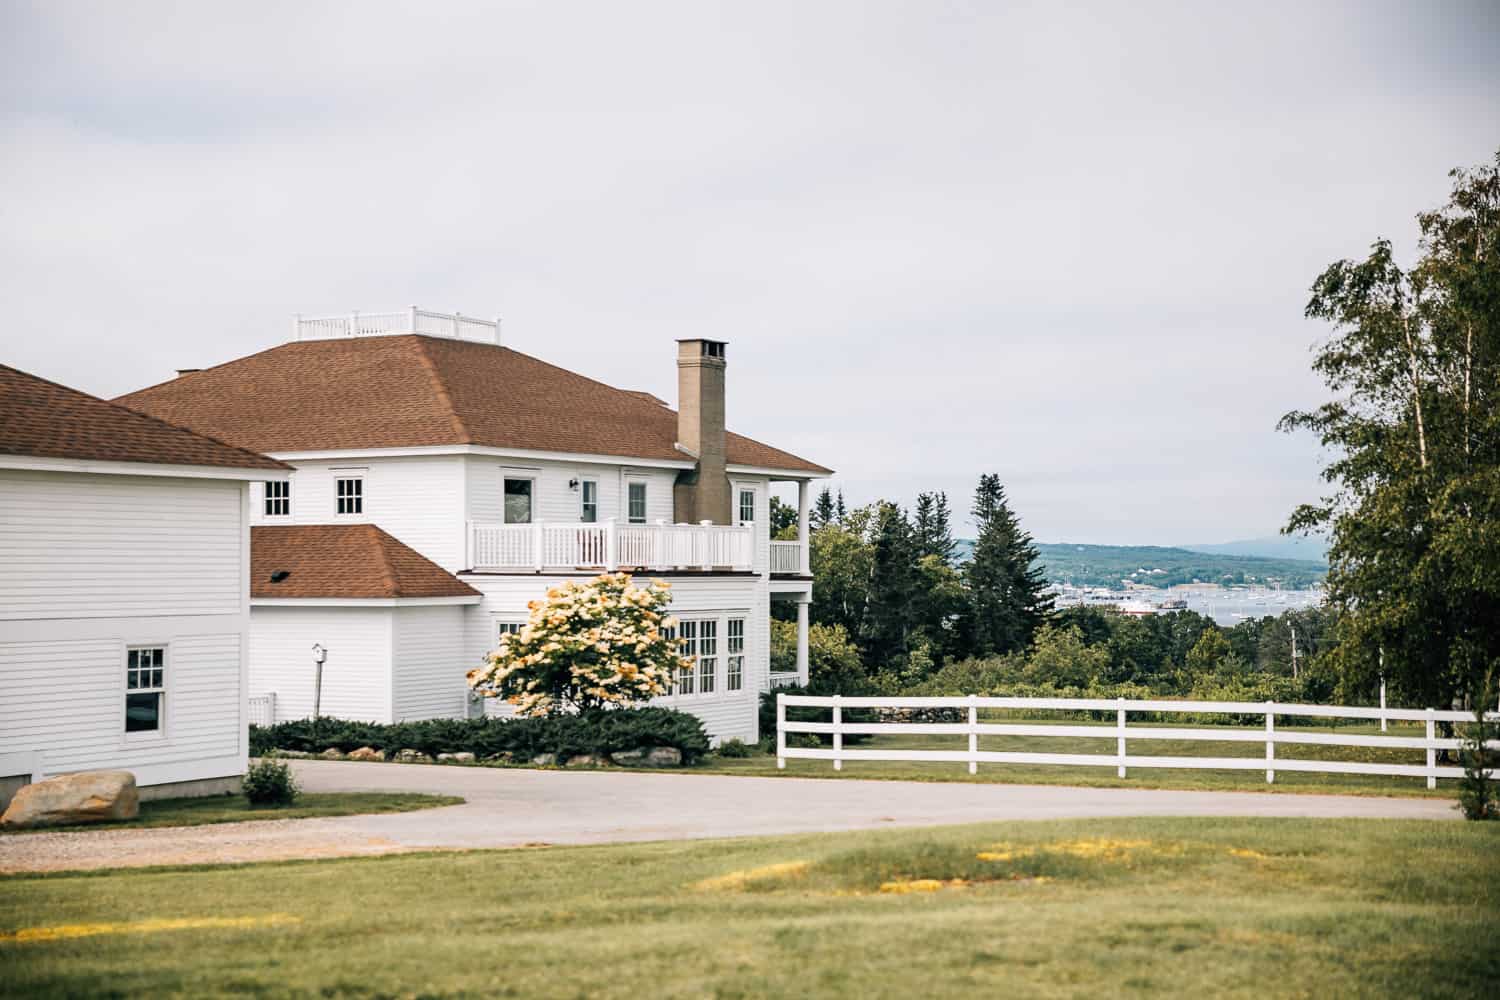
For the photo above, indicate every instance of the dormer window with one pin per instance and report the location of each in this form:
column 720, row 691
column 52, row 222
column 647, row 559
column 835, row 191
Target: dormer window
column 350, row 494
column 278, row 499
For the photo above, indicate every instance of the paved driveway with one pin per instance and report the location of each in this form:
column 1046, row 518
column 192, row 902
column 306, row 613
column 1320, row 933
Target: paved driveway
column 506, row 808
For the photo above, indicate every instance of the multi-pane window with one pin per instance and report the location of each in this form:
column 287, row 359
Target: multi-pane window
column 518, row 501
column 734, row 677
column 747, row 506
column 688, row 633
column 636, row 502
column 278, row 498
column 350, row 495
column 589, row 501
column 144, row 689
column 503, row 629
column 708, row 655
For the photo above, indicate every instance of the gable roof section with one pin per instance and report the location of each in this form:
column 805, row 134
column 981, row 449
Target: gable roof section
column 42, row 419
column 344, row 560
column 406, row 390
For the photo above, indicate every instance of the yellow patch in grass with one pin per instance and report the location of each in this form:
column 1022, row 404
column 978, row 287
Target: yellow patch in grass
column 151, row 925
column 1245, row 852
column 741, row 879
column 921, row 885
column 1107, row 850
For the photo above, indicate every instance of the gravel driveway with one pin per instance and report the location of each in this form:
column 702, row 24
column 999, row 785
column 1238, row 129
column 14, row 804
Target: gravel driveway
column 511, row 807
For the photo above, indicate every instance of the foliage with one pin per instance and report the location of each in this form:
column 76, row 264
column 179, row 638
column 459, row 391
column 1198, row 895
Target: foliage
column 891, row 603
column 833, row 661
column 842, row 561
column 1477, row 795
column 783, row 520
column 1007, row 593
column 599, row 732
column 588, row 645
column 270, row 782
column 736, row 748
column 1414, row 430
column 932, row 528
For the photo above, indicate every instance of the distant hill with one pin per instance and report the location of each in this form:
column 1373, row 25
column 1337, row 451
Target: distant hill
column 1161, row 566
column 1273, row 547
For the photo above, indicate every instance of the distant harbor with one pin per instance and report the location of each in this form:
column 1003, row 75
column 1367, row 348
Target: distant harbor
column 1225, row 605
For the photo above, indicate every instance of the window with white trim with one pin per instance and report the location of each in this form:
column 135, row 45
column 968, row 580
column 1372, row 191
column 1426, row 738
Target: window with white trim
column 278, row 498
column 635, row 499
column 734, row 674
column 588, row 501
column 145, row 689
column 503, row 629
column 747, row 506
column 518, row 497
column 708, row 655
column 349, row 493
column 687, row 631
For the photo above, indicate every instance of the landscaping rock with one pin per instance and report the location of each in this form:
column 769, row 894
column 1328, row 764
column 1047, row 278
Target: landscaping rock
column 655, row 757
column 86, row 797
column 410, row 756
column 545, row 760
column 462, row 757
column 503, row 757
column 585, row 760
column 367, row 753
column 332, row 753
column 294, row 754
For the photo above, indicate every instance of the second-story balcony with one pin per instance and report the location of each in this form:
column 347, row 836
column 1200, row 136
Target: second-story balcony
column 608, row 546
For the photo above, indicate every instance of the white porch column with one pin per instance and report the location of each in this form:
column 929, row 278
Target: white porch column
column 804, row 497
column 802, row 603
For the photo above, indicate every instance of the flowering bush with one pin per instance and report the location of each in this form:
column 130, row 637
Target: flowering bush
column 588, row 645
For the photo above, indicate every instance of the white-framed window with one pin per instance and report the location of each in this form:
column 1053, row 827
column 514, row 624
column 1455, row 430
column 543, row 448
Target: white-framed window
column 349, row 495
column 519, row 497
column 687, row 631
column 278, row 498
column 635, row 501
column 588, row 501
column 145, row 689
column 734, row 650
column 708, row 655
column 747, row 506
column 504, row 628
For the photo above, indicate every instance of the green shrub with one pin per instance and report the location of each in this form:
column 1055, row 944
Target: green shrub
column 1477, row 795
column 270, row 782
column 599, row 732
column 736, row 748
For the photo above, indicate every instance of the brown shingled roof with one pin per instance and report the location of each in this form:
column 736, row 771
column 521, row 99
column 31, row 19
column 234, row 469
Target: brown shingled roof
column 408, row 390
column 46, row 420
column 344, row 560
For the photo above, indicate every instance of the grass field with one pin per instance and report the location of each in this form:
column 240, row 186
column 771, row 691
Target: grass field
column 1214, row 907
column 1104, row 776
column 234, row 809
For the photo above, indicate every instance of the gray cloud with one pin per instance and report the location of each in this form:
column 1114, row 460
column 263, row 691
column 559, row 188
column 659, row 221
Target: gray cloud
column 1070, row 247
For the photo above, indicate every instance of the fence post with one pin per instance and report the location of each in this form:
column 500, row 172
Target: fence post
column 1382, row 704
column 973, row 734
column 1270, row 742
column 611, row 546
column 1431, row 753
column 838, row 736
column 1120, row 729
column 780, row 731
column 538, row 557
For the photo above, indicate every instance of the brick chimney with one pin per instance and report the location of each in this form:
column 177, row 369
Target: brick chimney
column 701, row 494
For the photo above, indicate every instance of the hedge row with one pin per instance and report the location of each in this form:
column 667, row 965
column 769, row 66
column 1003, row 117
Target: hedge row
column 602, row 732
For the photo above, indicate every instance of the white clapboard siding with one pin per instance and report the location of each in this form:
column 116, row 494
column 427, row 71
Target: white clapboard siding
column 356, row 676
column 554, row 500
column 94, row 546
column 432, row 655
column 65, row 699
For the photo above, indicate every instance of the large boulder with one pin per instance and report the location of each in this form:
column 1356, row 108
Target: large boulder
column 86, row 797
column 654, row 757
column 367, row 753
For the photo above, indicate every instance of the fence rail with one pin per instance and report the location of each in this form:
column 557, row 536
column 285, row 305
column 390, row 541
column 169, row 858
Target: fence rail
column 1122, row 733
column 786, row 557
column 412, row 320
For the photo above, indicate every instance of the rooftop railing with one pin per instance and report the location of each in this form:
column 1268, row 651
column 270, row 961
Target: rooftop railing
column 411, row 320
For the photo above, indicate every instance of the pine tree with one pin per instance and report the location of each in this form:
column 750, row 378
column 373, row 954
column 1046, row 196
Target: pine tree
column 893, row 591
column 934, row 533
column 1007, row 591
column 822, row 512
column 840, row 511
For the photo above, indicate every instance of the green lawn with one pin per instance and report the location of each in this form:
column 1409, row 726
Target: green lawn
column 1211, row 907
column 235, row 809
column 1104, row 776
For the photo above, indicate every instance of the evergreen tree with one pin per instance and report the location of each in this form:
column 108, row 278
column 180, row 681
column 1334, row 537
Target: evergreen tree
column 894, row 583
column 934, row 533
column 822, row 512
column 840, row 511
column 1007, row 598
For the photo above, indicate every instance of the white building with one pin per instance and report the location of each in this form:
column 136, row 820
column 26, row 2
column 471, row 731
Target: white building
column 507, row 475
column 124, row 596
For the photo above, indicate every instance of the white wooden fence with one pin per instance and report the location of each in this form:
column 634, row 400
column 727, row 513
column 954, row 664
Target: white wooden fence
column 263, row 709
column 610, row 546
column 1121, row 733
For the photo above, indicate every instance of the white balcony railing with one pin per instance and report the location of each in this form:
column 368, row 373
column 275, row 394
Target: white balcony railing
column 786, row 557
column 413, row 320
column 610, row 546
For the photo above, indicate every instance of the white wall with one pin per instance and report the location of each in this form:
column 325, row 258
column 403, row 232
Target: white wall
column 356, row 676
column 432, row 655
column 554, row 501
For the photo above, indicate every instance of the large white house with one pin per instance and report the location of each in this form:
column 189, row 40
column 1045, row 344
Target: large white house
column 490, row 476
column 124, row 597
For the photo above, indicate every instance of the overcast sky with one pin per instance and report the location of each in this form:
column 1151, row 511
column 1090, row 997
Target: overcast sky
column 942, row 239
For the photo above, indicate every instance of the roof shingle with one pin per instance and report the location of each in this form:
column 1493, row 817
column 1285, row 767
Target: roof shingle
column 408, row 390
column 46, row 420
column 344, row 560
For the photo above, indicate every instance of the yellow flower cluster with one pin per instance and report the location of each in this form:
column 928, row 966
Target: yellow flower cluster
column 588, row 645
